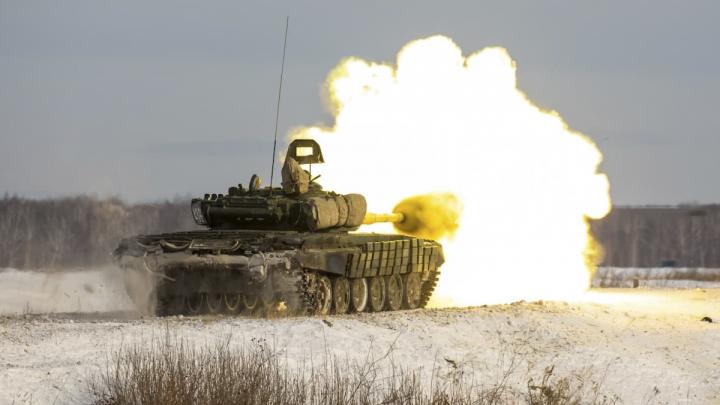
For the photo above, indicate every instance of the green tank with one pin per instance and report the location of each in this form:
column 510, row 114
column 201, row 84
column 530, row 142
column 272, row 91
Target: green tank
column 282, row 250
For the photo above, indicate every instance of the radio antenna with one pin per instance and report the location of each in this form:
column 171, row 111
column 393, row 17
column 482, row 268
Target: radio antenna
column 277, row 111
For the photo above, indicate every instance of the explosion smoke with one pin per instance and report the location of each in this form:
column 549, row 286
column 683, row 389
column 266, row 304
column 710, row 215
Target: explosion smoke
column 438, row 122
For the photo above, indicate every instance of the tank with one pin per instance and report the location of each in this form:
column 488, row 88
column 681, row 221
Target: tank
column 281, row 250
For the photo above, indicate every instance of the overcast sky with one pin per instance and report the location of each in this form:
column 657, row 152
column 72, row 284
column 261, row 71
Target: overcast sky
column 149, row 100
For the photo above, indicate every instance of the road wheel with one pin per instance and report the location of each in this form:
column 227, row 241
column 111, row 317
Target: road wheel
column 341, row 295
column 250, row 302
column 214, row 302
column 233, row 303
column 413, row 290
column 194, row 303
column 359, row 294
column 394, row 292
column 324, row 296
column 377, row 293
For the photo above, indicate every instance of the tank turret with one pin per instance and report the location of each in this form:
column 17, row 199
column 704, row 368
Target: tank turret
column 300, row 205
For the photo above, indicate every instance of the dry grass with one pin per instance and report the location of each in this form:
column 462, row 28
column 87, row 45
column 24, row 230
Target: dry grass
column 173, row 372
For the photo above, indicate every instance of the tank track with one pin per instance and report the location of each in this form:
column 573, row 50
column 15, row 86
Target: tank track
column 305, row 300
column 429, row 287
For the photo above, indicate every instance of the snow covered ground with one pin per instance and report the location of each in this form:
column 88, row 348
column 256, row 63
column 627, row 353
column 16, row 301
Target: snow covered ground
column 102, row 290
column 645, row 345
column 673, row 277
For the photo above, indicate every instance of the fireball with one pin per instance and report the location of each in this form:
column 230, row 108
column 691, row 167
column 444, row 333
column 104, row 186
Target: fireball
column 523, row 185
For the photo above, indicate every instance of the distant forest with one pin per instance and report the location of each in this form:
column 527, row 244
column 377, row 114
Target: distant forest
column 83, row 231
column 78, row 231
column 683, row 236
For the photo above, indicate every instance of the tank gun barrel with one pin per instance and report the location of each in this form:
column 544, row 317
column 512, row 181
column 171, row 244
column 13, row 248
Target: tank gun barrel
column 373, row 218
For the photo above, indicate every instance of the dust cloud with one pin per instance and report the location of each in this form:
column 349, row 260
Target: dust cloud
column 100, row 289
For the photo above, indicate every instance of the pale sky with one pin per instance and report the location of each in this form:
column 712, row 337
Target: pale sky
column 152, row 99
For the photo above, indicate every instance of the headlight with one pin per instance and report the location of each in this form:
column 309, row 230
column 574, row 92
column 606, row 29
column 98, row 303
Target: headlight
column 197, row 212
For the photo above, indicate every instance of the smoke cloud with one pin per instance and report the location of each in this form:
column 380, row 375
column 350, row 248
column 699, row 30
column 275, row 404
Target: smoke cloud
column 437, row 121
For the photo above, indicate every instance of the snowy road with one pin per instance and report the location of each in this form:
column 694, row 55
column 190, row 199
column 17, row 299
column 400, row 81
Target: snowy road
column 644, row 345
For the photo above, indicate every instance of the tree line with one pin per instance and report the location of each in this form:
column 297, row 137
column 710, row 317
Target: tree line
column 82, row 231
column 678, row 236
column 78, row 231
